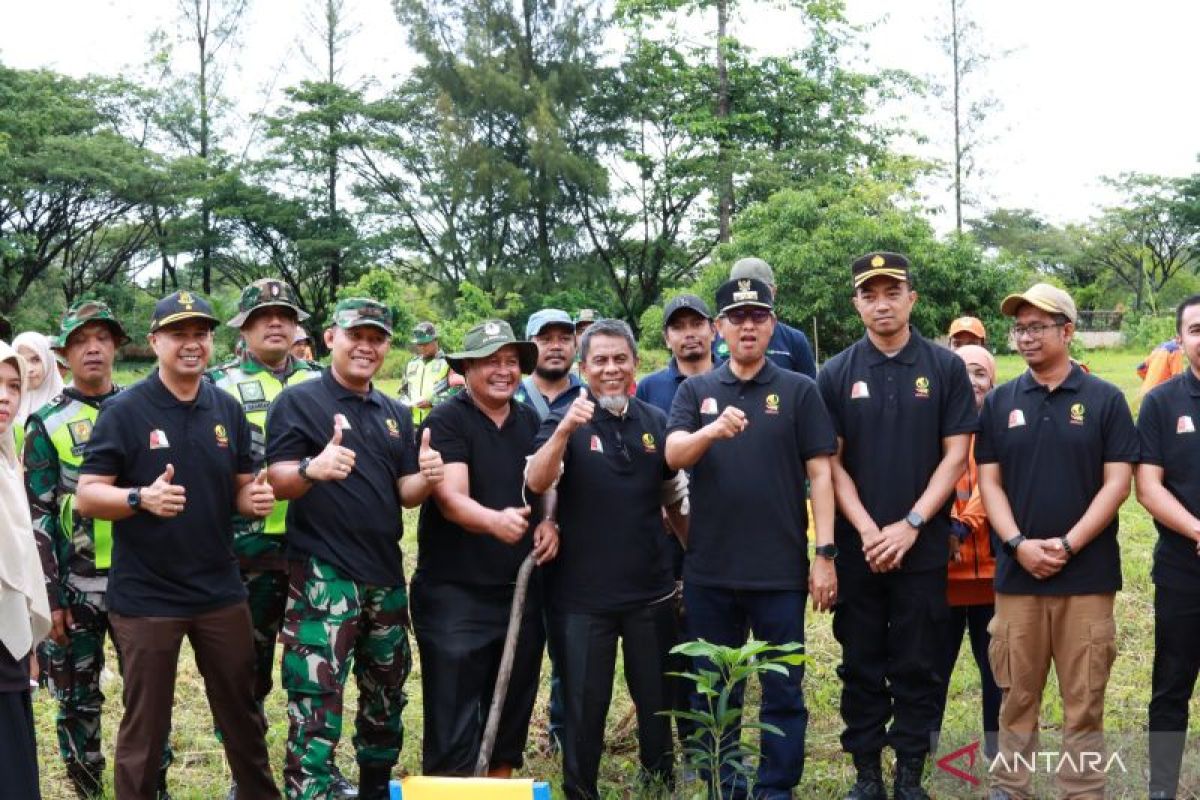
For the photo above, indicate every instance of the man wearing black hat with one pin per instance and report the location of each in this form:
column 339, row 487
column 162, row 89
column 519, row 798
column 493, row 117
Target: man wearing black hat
column 473, row 537
column 168, row 460
column 751, row 433
column 268, row 317
column 903, row 411
column 688, row 331
column 789, row 347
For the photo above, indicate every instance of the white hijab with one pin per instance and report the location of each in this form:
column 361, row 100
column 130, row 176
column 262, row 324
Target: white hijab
column 24, row 610
column 52, row 384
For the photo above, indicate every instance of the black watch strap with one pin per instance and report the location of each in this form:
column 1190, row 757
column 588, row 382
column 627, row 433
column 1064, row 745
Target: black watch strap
column 302, row 468
column 826, row 550
column 1011, row 545
column 134, row 498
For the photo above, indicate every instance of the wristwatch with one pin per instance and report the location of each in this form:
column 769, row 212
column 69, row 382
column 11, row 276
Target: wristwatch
column 134, row 498
column 302, row 468
column 829, row 551
column 1010, row 546
column 915, row 519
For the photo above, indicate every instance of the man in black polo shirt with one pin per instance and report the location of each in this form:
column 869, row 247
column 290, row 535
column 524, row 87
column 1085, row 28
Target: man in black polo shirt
column 612, row 577
column 1168, row 485
column 904, row 411
column 344, row 454
column 473, row 537
column 168, row 461
column 751, row 432
column 1054, row 450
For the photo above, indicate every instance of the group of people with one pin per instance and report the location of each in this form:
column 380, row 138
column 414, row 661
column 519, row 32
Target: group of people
column 260, row 502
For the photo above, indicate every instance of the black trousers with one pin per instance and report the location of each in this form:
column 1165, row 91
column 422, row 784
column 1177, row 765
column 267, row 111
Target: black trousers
column 1176, row 665
column 18, row 748
column 587, row 648
column 460, row 633
column 890, row 628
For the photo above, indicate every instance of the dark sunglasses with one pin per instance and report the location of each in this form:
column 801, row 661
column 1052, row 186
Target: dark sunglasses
column 739, row 315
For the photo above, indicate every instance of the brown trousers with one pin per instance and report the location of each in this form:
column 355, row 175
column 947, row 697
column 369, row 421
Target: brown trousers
column 1078, row 634
column 223, row 643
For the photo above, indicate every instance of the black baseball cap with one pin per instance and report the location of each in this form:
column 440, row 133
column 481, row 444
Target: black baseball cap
column 873, row 265
column 180, row 306
column 685, row 301
column 744, row 292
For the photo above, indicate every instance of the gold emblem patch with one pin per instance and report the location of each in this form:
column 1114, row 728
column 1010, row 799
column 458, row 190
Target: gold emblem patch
column 186, row 300
column 878, row 261
column 1077, row 413
column 648, row 442
column 921, row 386
column 81, row 431
column 772, row 404
column 393, row 427
column 222, row 436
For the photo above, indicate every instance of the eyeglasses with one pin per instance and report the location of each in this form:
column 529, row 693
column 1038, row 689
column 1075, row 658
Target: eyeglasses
column 739, row 315
column 1035, row 330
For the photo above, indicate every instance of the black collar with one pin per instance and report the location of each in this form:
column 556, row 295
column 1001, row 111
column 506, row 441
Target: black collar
column 762, row 377
column 340, row 392
column 907, row 355
column 162, row 397
column 1072, row 383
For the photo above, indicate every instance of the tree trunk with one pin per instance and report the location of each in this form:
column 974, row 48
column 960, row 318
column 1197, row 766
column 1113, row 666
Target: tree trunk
column 957, row 118
column 724, row 167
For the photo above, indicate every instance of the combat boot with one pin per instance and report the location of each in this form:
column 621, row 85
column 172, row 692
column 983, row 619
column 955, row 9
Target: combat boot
column 909, row 770
column 340, row 786
column 869, row 785
column 373, row 781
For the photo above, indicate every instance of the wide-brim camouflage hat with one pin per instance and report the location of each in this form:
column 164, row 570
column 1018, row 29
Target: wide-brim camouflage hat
column 264, row 293
column 356, row 311
column 83, row 312
column 179, row 307
column 488, row 337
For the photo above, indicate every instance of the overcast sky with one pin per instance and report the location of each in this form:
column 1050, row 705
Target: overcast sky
column 1089, row 88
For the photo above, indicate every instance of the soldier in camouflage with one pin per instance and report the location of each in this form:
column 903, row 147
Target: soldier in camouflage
column 345, row 455
column 268, row 318
column 75, row 551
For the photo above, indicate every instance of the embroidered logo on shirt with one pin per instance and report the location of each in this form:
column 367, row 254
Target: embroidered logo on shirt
column 597, row 446
column 648, row 442
column 772, row 404
column 921, row 387
column 709, row 406
column 222, row 436
column 393, row 428
column 1077, row 412
column 1016, row 418
column 341, row 422
column 1185, row 425
column 158, row 440
column 860, row 391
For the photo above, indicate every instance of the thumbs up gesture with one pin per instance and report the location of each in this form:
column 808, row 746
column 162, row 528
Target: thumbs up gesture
column 262, row 496
column 163, row 498
column 580, row 412
column 429, row 460
column 334, row 462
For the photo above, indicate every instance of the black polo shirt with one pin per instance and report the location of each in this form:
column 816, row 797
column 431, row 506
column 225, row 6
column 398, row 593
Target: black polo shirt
column 495, row 459
column 892, row 414
column 748, row 517
column 353, row 524
column 1052, row 448
column 614, row 554
column 1169, row 429
column 182, row 566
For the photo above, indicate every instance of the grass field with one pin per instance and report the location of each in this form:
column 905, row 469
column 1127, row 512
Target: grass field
column 200, row 772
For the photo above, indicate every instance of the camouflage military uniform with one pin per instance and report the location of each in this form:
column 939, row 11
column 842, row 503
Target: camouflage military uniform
column 259, row 543
column 323, row 641
column 75, row 553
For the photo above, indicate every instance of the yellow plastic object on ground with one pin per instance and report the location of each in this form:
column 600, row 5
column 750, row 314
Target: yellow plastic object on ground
column 428, row 788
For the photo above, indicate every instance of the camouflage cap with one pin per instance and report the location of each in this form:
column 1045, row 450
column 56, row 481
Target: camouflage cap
column 263, row 293
column 423, row 333
column 83, row 312
column 355, row 311
column 488, row 337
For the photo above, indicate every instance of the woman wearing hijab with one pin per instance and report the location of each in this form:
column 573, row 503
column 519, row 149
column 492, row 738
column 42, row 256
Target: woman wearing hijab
column 42, row 381
column 24, row 610
column 972, row 566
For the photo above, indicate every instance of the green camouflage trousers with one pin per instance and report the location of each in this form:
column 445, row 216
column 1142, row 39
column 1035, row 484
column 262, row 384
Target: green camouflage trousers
column 266, row 592
column 73, row 677
column 332, row 626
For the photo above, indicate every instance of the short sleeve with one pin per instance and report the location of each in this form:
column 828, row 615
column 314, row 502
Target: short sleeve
column 286, row 439
column 1121, row 442
column 1149, row 425
column 685, row 411
column 958, row 405
column 104, row 453
column 827, row 387
column 446, row 434
column 985, row 444
column 814, row 429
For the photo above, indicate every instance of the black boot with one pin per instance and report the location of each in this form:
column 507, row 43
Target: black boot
column 373, row 781
column 339, row 786
column 869, row 785
column 86, row 780
column 909, row 770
